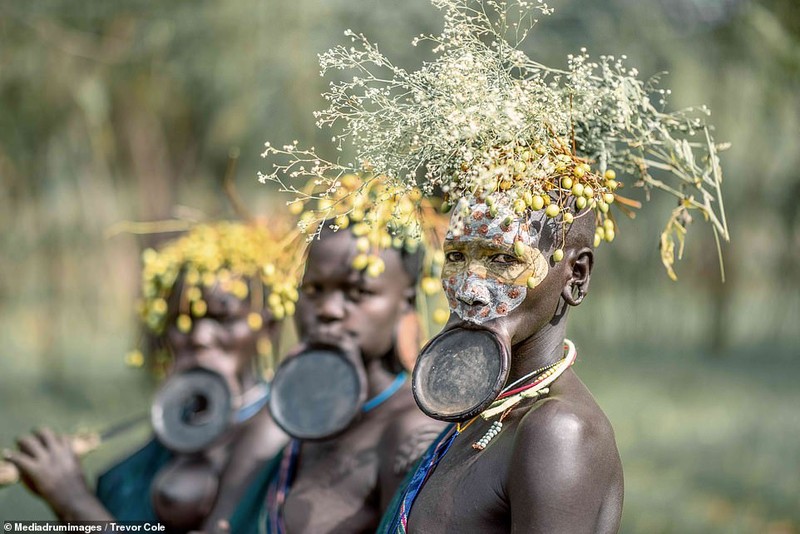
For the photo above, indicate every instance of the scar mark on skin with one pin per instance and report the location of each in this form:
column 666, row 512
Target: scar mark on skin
column 410, row 450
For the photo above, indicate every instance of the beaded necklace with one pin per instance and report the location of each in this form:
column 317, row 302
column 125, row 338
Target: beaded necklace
column 512, row 395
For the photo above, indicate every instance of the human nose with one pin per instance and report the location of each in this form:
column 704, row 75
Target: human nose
column 474, row 291
column 203, row 333
column 331, row 306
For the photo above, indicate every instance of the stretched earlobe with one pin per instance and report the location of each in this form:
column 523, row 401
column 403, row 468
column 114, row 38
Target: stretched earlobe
column 408, row 335
column 573, row 293
column 578, row 284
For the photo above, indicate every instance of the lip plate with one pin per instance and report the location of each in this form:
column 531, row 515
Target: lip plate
column 438, row 385
column 317, row 394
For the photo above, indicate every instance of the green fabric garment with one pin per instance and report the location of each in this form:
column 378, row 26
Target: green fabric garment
column 124, row 489
column 250, row 515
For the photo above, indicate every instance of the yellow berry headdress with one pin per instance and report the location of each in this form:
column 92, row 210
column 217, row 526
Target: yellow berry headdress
column 484, row 119
column 249, row 261
column 381, row 215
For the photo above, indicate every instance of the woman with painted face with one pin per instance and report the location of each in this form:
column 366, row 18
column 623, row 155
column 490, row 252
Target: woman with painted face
column 527, row 157
column 531, row 451
column 344, row 395
column 212, row 301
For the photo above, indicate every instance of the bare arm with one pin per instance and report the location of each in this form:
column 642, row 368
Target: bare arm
column 566, row 475
column 50, row 469
column 261, row 440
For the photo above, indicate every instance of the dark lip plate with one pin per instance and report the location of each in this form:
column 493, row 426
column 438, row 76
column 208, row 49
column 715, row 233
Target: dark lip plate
column 494, row 390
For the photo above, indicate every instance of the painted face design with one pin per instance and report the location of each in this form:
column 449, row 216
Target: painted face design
column 490, row 261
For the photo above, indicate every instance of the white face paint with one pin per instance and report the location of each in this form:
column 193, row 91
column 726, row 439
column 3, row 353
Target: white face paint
column 489, row 261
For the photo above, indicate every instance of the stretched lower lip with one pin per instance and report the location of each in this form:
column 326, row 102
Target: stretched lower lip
column 461, row 324
column 327, row 335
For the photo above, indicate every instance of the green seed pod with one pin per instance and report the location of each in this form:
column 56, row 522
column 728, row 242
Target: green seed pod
column 374, row 270
column 430, row 285
column 558, row 255
column 446, row 207
column 580, row 202
column 552, row 210
column 184, row 323
column 588, row 192
column 360, row 262
column 566, row 182
column 537, row 203
column 527, row 196
column 519, row 249
column 362, row 244
column 568, row 218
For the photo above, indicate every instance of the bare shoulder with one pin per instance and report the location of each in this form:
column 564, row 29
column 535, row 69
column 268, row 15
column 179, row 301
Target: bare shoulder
column 568, row 419
column 567, row 474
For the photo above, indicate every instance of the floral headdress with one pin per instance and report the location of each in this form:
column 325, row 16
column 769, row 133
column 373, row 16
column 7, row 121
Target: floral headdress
column 381, row 215
column 247, row 260
column 483, row 119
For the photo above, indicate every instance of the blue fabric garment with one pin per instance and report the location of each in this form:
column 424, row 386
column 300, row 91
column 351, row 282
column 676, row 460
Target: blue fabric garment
column 124, row 489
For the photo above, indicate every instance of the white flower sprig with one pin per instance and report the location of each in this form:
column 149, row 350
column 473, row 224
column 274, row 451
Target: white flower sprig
column 484, row 118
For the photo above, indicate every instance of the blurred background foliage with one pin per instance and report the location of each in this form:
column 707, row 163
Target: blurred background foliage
column 128, row 110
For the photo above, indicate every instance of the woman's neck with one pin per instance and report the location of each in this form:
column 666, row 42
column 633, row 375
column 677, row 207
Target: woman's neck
column 539, row 350
column 378, row 376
